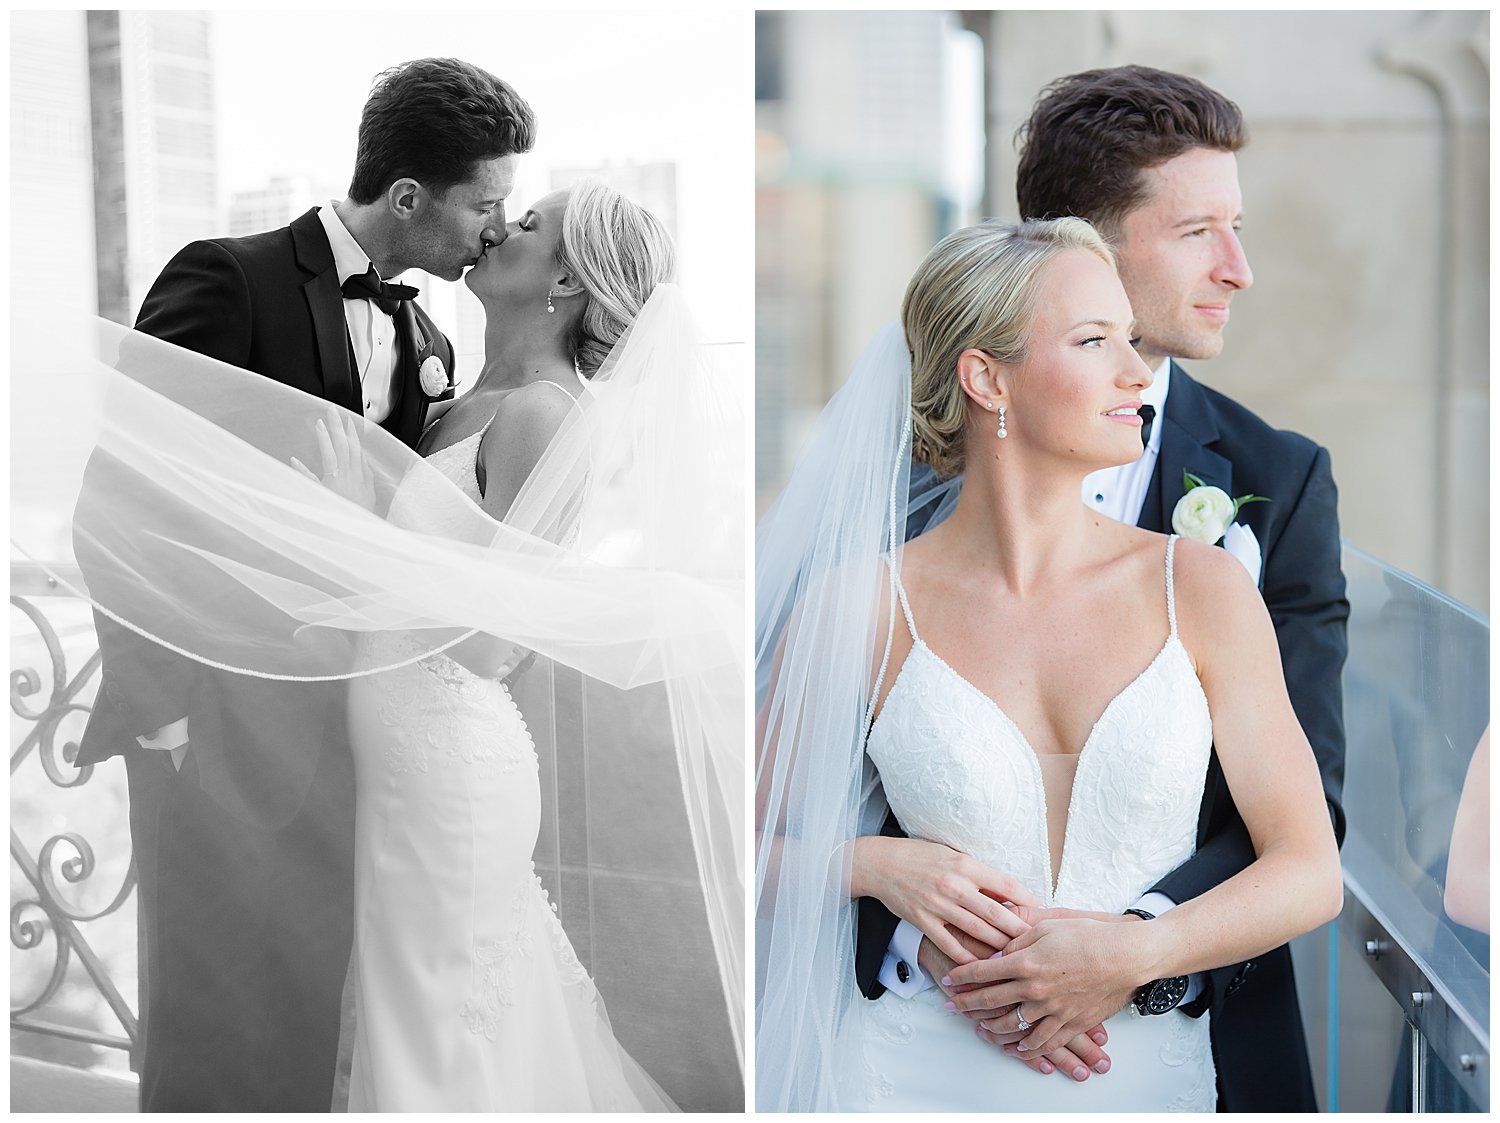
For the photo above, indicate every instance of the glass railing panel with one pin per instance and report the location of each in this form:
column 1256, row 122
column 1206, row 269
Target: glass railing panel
column 1397, row 1002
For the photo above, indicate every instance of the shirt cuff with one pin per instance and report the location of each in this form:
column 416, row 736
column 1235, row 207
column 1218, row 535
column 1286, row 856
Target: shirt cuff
column 172, row 736
column 901, row 959
column 1159, row 904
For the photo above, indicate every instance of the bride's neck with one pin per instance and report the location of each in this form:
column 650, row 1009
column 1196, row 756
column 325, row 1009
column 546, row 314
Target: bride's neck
column 518, row 354
column 1025, row 524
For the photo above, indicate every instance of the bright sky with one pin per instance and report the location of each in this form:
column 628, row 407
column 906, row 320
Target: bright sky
column 605, row 85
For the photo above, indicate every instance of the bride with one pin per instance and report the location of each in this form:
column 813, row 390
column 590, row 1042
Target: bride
column 1033, row 689
column 468, row 994
column 566, row 537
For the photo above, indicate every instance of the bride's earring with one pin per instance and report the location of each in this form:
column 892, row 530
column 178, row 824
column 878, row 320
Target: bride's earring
column 549, row 302
column 1000, row 432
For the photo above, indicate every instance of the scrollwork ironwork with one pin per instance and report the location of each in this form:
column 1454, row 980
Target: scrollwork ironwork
column 66, row 859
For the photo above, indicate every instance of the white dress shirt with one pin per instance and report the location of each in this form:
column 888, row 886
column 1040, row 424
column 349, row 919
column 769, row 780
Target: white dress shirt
column 373, row 334
column 1120, row 493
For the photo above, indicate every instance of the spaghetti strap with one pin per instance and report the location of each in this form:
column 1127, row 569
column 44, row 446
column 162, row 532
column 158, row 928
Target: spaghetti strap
column 911, row 624
column 548, row 382
column 1171, row 591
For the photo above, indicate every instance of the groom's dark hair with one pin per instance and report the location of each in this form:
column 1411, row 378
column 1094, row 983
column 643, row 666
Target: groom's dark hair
column 1091, row 135
column 431, row 120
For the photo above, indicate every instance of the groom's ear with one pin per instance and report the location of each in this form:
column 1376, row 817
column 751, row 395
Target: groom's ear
column 404, row 198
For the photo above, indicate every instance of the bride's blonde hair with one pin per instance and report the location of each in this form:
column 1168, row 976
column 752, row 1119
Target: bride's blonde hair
column 976, row 288
column 618, row 252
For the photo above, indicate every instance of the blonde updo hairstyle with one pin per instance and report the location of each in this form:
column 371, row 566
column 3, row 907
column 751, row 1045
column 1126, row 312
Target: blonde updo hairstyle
column 976, row 289
column 617, row 252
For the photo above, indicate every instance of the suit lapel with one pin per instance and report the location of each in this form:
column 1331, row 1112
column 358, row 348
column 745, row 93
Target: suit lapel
column 1188, row 431
column 325, row 302
column 407, row 401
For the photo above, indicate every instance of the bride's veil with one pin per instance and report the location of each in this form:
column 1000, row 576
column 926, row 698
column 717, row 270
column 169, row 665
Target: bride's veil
column 649, row 886
column 158, row 484
column 824, row 614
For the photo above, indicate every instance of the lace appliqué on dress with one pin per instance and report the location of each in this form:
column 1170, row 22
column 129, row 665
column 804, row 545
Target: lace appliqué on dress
column 448, row 696
column 1187, row 1048
column 497, row 963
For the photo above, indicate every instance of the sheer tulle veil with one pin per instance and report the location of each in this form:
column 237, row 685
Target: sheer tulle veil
column 823, row 619
column 158, row 484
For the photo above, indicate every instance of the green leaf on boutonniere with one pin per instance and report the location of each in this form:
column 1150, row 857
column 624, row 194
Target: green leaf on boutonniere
column 1190, row 481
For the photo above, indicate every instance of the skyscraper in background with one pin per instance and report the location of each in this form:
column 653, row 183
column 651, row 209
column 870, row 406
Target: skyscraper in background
column 51, row 185
column 283, row 198
column 155, row 170
column 862, row 144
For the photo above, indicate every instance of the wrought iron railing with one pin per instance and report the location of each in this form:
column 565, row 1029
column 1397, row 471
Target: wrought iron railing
column 61, row 888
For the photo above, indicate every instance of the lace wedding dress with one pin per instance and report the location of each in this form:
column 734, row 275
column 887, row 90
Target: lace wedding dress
column 957, row 770
column 467, row 993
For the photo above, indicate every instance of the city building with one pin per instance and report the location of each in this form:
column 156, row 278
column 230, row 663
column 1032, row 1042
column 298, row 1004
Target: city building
column 151, row 93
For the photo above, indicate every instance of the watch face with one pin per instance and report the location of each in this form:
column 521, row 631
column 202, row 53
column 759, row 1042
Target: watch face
column 1164, row 995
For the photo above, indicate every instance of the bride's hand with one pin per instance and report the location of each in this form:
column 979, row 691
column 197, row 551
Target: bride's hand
column 346, row 471
column 1078, row 1059
column 1066, row 973
column 932, row 885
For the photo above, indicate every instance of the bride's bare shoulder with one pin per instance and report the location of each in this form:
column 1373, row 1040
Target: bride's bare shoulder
column 1215, row 595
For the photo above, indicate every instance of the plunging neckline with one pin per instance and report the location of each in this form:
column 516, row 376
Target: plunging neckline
column 1032, row 757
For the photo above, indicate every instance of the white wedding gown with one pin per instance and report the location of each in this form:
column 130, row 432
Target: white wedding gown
column 957, row 770
column 467, row 993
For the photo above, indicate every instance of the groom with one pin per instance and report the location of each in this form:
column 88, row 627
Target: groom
column 241, row 790
column 1168, row 201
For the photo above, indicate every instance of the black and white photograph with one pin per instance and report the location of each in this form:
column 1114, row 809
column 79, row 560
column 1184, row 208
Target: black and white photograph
column 379, row 501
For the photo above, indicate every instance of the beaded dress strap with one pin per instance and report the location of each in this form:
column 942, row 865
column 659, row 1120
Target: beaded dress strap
column 1171, row 589
column 911, row 624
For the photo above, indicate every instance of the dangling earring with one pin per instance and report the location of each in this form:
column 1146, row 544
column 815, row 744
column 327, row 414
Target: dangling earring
column 1000, row 432
column 550, row 309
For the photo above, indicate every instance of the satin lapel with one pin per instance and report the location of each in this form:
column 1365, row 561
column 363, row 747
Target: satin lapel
column 405, row 419
column 1188, row 432
column 326, row 304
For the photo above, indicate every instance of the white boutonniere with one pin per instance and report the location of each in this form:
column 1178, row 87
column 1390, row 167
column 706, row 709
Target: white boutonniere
column 1204, row 513
column 433, row 376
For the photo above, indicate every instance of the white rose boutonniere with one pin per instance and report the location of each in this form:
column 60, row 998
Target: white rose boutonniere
column 433, row 376
column 1204, row 512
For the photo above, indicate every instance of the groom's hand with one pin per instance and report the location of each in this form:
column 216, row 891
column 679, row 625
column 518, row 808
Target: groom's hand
column 1068, row 970
column 1077, row 1059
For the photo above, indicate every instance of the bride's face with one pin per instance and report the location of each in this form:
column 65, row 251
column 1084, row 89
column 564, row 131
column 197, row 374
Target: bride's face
column 519, row 271
column 1077, row 391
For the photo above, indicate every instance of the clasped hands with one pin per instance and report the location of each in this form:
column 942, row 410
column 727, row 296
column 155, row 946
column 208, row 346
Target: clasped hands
column 995, row 951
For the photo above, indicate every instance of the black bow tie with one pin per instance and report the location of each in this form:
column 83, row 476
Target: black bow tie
column 1148, row 415
column 369, row 286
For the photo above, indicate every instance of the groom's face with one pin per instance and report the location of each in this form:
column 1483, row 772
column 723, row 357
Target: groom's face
column 1180, row 256
column 454, row 228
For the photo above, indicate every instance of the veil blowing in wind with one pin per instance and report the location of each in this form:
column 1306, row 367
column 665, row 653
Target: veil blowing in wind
column 159, row 484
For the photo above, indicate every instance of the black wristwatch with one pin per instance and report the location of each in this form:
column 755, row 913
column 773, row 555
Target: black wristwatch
column 1161, row 995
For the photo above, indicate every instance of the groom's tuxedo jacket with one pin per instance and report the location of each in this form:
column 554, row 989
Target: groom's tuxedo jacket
column 245, row 855
column 1257, row 1034
column 268, row 303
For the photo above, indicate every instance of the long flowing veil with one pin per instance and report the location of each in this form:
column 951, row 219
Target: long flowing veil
column 158, row 484
column 822, row 636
